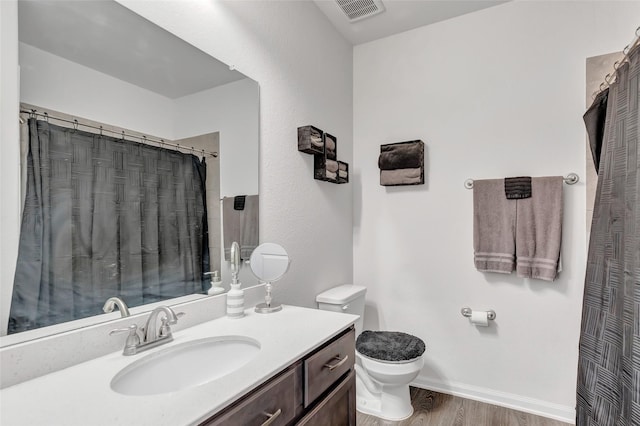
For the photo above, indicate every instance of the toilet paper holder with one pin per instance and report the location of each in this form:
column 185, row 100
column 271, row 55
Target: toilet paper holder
column 466, row 312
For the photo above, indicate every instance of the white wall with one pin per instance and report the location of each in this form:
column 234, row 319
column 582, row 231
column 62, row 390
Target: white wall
column 495, row 93
column 233, row 110
column 52, row 82
column 277, row 44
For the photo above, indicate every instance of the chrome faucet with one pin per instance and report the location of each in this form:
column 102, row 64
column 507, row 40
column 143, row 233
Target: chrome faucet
column 112, row 302
column 151, row 335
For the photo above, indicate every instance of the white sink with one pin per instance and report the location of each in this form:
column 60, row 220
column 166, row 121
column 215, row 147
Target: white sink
column 185, row 365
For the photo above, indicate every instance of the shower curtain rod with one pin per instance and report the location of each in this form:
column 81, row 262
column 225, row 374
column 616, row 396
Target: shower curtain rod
column 143, row 138
column 610, row 78
column 570, row 179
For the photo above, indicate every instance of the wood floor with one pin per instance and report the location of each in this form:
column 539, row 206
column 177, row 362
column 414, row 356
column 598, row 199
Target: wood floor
column 437, row 409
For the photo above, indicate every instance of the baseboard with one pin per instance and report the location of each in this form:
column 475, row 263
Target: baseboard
column 538, row 407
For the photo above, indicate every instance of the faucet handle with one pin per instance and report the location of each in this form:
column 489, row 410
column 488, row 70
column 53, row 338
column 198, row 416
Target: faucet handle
column 133, row 339
column 165, row 328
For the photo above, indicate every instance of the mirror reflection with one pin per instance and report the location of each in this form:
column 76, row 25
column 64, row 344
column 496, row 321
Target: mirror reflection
column 140, row 165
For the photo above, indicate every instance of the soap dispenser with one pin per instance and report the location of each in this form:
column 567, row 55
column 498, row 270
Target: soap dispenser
column 216, row 283
column 235, row 296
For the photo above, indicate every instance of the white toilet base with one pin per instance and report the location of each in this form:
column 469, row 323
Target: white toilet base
column 386, row 402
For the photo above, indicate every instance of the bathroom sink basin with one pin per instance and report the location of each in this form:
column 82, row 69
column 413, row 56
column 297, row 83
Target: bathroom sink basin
column 185, row 365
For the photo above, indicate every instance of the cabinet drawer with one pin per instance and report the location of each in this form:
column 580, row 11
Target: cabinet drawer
column 325, row 367
column 337, row 409
column 281, row 397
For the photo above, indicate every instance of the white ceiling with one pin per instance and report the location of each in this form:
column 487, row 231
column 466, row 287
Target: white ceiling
column 399, row 16
column 107, row 37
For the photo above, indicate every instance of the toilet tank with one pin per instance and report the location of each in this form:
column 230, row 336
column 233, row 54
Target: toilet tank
column 347, row 298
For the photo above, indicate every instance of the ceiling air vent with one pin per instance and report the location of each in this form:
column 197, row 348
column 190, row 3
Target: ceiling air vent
column 360, row 9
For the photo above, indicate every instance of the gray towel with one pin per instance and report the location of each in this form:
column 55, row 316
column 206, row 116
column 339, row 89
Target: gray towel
column 401, row 177
column 539, row 230
column 494, row 227
column 517, row 187
column 249, row 227
column 402, row 155
column 240, row 226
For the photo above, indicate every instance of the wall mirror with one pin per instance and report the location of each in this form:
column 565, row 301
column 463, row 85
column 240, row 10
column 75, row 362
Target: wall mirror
column 96, row 69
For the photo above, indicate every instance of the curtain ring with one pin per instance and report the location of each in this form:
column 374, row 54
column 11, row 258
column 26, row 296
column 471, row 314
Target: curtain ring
column 192, row 151
column 75, row 124
column 100, row 130
column 626, row 49
column 638, row 32
column 161, row 143
column 616, row 65
column 32, row 114
column 46, row 116
column 123, row 135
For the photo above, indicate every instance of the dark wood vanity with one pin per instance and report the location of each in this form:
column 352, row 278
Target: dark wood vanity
column 319, row 389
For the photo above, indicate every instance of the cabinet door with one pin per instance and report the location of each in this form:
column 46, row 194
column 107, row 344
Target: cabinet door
column 337, row 409
column 325, row 367
column 275, row 403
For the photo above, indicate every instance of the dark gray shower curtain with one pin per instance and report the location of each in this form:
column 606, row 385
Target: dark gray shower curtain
column 105, row 217
column 608, row 389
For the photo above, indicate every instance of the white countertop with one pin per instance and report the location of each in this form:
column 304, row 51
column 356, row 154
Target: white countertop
column 81, row 395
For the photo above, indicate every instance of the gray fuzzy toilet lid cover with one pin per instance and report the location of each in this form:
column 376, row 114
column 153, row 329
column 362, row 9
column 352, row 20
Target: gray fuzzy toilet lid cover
column 389, row 345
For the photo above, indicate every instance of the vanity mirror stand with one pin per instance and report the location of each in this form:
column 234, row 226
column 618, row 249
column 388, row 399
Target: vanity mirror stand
column 269, row 262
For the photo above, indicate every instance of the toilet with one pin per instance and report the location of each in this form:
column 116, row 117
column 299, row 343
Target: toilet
column 386, row 362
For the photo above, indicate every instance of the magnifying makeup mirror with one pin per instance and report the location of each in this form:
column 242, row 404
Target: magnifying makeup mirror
column 269, row 262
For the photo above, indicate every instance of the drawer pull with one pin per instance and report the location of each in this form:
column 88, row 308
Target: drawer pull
column 337, row 364
column 272, row 417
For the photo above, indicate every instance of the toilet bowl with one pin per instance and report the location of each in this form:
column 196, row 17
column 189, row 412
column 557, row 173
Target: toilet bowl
column 386, row 362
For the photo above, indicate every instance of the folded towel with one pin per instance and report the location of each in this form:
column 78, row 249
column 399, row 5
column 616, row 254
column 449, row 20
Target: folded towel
column 517, row 187
column 330, row 147
column 331, row 165
column 494, row 227
column 315, row 136
column 539, row 230
column 343, row 173
column 331, row 175
column 403, row 155
column 401, row 177
column 238, row 202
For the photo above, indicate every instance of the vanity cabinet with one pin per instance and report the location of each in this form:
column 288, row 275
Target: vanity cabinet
column 318, row 389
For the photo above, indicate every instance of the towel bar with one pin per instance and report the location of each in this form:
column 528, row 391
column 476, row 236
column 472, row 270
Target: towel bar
column 466, row 312
column 570, row 179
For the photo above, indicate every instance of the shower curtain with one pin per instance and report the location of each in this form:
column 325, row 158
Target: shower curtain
column 608, row 388
column 105, row 217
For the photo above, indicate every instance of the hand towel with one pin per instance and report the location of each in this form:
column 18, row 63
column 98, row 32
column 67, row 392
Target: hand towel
column 241, row 226
column 403, row 155
column 230, row 224
column 539, row 230
column 494, row 227
column 517, row 187
column 401, row 177
column 249, row 222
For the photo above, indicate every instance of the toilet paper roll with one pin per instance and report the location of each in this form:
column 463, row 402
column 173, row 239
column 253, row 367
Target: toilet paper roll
column 480, row 318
